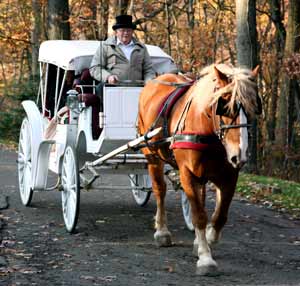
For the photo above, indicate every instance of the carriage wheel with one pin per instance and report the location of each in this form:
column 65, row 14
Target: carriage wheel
column 186, row 210
column 25, row 163
column 70, row 189
column 141, row 196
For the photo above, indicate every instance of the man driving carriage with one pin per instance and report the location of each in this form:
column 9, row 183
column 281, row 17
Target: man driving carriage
column 122, row 57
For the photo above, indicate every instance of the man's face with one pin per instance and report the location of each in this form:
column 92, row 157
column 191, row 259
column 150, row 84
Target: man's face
column 124, row 35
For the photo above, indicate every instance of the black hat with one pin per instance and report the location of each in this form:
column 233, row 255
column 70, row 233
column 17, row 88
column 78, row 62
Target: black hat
column 124, row 21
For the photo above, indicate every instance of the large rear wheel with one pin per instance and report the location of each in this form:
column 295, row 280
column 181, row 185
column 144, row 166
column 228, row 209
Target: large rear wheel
column 25, row 163
column 138, row 181
column 186, row 211
column 70, row 189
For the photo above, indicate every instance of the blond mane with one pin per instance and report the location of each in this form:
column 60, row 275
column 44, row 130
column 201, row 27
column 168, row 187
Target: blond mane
column 242, row 86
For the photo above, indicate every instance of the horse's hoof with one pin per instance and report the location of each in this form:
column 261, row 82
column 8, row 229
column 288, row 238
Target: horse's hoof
column 209, row 270
column 163, row 239
column 206, row 267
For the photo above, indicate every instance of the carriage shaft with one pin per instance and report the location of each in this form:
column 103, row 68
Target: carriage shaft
column 125, row 147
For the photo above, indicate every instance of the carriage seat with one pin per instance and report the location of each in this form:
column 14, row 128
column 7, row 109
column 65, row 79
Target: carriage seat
column 84, row 78
column 89, row 98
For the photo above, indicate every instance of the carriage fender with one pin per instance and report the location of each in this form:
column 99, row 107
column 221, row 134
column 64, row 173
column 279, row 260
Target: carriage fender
column 37, row 129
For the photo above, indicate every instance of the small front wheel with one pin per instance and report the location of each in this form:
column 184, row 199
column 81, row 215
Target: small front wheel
column 25, row 163
column 70, row 189
column 186, row 211
column 137, row 181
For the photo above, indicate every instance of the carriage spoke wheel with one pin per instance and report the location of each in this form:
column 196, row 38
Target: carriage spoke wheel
column 24, row 163
column 186, row 211
column 70, row 189
column 139, row 180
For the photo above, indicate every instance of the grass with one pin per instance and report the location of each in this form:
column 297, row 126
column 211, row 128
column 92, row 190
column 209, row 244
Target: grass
column 272, row 192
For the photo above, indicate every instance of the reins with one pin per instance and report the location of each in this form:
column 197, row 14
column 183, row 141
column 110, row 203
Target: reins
column 177, row 84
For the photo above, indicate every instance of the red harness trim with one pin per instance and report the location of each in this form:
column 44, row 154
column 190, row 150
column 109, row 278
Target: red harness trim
column 190, row 145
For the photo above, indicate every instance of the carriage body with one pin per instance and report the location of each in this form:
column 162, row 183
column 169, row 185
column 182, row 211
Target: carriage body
column 58, row 59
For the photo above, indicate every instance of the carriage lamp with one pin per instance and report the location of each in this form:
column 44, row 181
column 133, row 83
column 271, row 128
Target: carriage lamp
column 72, row 99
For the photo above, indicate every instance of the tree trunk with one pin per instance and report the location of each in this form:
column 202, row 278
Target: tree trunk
column 191, row 25
column 286, row 110
column 58, row 20
column 168, row 27
column 102, row 19
column 247, row 57
column 280, row 34
column 35, row 36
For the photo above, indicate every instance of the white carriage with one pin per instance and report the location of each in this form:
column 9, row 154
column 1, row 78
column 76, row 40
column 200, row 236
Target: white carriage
column 74, row 138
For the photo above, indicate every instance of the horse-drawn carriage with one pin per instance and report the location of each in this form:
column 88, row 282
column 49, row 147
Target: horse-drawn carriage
column 74, row 138
column 198, row 127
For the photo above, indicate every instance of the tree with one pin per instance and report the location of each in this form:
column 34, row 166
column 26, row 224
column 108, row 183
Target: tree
column 246, row 43
column 35, row 35
column 58, row 19
column 280, row 35
column 102, row 19
column 289, row 87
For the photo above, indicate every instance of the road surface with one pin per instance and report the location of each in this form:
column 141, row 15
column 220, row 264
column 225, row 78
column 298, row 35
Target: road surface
column 114, row 243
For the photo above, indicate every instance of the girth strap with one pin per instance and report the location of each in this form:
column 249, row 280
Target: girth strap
column 196, row 138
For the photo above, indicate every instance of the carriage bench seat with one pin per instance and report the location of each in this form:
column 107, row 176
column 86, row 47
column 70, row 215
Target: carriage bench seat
column 92, row 100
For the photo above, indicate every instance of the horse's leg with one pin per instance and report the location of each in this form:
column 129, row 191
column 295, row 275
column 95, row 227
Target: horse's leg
column 162, row 235
column 224, row 195
column 205, row 264
column 201, row 196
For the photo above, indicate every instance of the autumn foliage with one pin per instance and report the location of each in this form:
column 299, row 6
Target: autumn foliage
column 195, row 33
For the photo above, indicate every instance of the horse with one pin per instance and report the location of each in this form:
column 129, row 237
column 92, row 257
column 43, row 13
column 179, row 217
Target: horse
column 205, row 137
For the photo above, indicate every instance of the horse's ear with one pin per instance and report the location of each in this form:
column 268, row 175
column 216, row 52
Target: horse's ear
column 255, row 71
column 221, row 77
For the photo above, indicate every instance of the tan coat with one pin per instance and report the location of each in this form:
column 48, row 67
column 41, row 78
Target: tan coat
column 110, row 60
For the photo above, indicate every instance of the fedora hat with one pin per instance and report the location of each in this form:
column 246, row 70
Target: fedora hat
column 124, row 21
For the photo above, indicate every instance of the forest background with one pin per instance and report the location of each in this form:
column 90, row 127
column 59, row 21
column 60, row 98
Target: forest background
column 195, row 33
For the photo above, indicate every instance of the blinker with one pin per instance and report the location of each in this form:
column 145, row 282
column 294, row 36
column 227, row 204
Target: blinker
column 223, row 109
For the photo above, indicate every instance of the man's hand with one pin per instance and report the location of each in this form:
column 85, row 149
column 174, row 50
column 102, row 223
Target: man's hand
column 112, row 79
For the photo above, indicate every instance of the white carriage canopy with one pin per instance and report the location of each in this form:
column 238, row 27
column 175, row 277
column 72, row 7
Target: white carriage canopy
column 77, row 55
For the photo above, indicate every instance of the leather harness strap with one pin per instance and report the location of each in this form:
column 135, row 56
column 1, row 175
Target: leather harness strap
column 166, row 108
column 196, row 138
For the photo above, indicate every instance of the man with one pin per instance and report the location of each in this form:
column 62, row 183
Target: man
column 122, row 57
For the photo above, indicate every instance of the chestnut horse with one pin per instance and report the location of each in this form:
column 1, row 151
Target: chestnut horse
column 207, row 129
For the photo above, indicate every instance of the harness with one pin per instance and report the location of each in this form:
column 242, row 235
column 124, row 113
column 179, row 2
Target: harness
column 166, row 107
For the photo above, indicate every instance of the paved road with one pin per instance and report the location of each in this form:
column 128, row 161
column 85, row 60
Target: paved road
column 114, row 243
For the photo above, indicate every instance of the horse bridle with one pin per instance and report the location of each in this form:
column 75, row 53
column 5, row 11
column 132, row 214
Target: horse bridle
column 221, row 131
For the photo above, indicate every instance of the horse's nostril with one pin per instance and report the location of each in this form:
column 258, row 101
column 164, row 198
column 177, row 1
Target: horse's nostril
column 234, row 160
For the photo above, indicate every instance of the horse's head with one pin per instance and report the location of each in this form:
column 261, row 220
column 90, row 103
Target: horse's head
column 235, row 102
